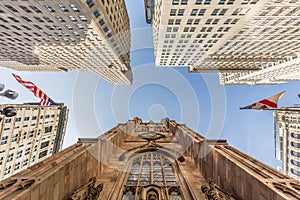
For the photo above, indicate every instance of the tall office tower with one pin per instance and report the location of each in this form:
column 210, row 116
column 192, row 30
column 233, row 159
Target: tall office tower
column 235, row 38
column 150, row 161
column 287, row 140
column 63, row 35
column 35, row 133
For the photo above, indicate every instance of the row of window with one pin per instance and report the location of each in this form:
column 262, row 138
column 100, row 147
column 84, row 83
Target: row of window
column 37, row 10
column 196, row 21
column 207, row 2
column 203, row 29
column 201, row 12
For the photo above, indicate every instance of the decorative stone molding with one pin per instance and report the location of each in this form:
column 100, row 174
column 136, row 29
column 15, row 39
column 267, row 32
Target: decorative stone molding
column 87, row 191
column 214, row 192
column 10, row 186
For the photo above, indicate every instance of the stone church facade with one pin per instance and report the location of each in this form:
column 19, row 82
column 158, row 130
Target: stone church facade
column 150, row 161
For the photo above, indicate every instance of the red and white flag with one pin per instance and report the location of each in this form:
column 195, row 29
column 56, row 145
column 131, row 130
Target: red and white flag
column 45, row 100
column 266, row 104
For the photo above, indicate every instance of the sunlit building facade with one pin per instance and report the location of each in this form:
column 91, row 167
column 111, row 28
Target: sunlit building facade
column 52, row 35
column 234, row 38
column 150, row 161
column 35, row 133
column 287, row 140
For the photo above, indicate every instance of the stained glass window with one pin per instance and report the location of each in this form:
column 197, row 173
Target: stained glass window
column 151, row 169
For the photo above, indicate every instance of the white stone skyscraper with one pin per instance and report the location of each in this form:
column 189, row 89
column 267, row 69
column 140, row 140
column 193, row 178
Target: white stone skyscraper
column 52, row 35
column 287, row 140
column 237, row 38
column 35, row 133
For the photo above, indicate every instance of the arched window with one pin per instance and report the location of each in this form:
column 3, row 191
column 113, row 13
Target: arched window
column 294, row 153
column 297, row 173
column 154, row 173
column 296, row 163
column 295, row 135
column 295, row 144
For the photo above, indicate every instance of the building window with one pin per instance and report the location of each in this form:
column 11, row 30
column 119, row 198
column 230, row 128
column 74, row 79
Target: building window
column 90, row 3
column 295, row 172
column 296, row 163
column 295, row 135
column 206, row 2
column 295, row 144
column 25, row 9
column 11, row 8
column 43, row 154
column 180, row 12
column 294, row 153
column 198, row 2
column 72, row 18
column 194, row 12
column 82, row 18
column 7, row 120
column 101, row 22
column 215, row 12
column 26, row 118
column 74, row 8
column 184, row 2
column 26, row 18
column 105, row 29
column 48, row 19
column 44, row 144
column 173, row 12
column 48, row 129
column 96, row 13
column 223, row 11
column 175, row 2
column 201, row 12
column 177, row 21
column 49, row 8
column 60, row 18
column 36, row 9
column 63, row 7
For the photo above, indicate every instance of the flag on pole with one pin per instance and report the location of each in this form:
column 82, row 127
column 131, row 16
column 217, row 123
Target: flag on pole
column 266, row 104
column 45, row 100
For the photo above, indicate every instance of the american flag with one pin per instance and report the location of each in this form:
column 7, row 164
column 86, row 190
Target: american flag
column 266, row 104
column 45, row 100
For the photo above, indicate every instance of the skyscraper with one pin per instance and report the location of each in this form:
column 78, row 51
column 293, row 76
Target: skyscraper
column 52, row 35
column 150, row 161
column 238, row 39
column 35, row 133
column 287, row 140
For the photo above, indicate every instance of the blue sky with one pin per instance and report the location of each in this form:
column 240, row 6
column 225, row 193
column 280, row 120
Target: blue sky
column 191, row 98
